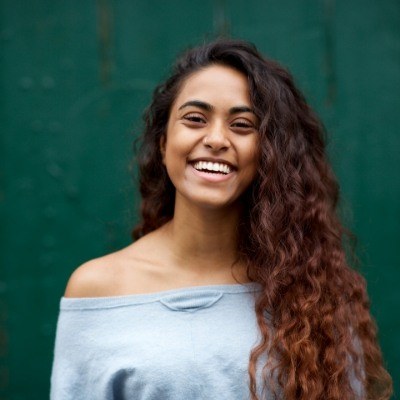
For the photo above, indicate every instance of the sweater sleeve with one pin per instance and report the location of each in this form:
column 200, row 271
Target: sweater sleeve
column 69, row 378
column 355, row 382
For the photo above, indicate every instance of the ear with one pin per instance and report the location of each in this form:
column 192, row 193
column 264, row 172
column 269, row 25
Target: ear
column 163, row 142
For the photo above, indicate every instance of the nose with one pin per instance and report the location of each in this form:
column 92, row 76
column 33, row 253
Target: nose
column 216, row 139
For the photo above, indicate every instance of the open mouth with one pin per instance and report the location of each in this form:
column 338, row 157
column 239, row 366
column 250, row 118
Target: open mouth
column 212, row 167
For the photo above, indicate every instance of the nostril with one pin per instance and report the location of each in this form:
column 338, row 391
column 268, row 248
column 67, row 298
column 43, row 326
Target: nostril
column 213, row 143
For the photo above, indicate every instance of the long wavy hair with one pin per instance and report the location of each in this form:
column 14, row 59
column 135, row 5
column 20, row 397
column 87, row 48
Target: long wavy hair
column 318, row 337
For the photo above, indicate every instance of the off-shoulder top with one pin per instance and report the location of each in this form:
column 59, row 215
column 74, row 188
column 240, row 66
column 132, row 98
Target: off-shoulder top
column 183, row 344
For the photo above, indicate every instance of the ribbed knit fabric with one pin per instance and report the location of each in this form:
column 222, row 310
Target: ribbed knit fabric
column 183, row 344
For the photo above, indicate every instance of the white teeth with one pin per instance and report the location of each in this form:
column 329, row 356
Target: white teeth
column 210, row 166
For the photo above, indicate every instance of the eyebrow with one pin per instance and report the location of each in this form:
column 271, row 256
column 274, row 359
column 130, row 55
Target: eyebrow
column 208, row 107
column 240, row 109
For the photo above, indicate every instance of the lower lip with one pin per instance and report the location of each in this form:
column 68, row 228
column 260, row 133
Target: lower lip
column 212, row 177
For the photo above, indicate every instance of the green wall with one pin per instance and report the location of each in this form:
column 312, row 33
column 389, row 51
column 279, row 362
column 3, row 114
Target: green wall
column 75, row 77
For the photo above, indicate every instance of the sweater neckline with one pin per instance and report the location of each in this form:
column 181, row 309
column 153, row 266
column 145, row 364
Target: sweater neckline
column 180, row 299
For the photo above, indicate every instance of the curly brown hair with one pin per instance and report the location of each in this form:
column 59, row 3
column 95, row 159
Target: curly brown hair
column 313, row 313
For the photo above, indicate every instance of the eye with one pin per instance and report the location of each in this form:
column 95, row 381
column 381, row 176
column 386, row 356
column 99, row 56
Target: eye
column 195, row 118
column 242, row 124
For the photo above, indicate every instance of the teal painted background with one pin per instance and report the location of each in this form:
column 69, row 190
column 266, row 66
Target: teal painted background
column 75, row 77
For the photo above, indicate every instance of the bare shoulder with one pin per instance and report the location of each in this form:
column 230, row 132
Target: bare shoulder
column 131, row 270
column 92, row 279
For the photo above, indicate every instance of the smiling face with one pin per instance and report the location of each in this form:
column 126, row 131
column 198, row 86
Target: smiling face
column 210, row 148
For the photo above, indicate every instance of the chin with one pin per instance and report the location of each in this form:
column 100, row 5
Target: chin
column 214, row 204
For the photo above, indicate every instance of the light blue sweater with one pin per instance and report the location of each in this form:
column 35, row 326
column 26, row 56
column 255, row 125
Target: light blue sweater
column 184, row 344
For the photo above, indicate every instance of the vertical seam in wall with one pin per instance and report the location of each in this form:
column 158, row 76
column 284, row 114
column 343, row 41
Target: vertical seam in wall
column 221, row 24
column 329, row 52
column 104, row 38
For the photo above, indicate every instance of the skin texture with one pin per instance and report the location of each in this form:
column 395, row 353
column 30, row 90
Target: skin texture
column 199, row 245
column 195, row 133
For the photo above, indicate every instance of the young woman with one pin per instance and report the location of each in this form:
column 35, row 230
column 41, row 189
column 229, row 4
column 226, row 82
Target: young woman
column 237, row 286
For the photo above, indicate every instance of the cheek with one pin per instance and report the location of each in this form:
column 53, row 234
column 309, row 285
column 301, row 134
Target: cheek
column 175, row 159
column 179, row 145
column 251, row 154
column 172, row 154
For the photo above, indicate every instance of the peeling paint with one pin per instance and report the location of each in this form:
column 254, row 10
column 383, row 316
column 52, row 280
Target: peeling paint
column 47, row 82
column 55, row 170
column 26, row 83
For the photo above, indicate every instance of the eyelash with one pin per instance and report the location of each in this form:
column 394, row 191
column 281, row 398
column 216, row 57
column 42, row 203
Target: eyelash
column 243, row 124
column 198, row 119
column 194, row 118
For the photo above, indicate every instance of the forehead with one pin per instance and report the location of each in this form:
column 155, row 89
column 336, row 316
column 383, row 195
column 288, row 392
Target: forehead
column 216, row 84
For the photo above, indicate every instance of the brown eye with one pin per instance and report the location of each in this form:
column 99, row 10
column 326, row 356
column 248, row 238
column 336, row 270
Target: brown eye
column 242, row 124
column 195, row 118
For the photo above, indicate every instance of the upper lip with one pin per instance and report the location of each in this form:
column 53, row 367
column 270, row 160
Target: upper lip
column 214, row 160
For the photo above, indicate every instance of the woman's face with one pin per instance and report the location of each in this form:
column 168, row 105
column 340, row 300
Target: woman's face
column 210, row 147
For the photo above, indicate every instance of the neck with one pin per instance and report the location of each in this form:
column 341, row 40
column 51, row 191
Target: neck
column 203, row 239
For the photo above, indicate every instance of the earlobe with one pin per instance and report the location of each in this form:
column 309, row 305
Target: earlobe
column 162, row 148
